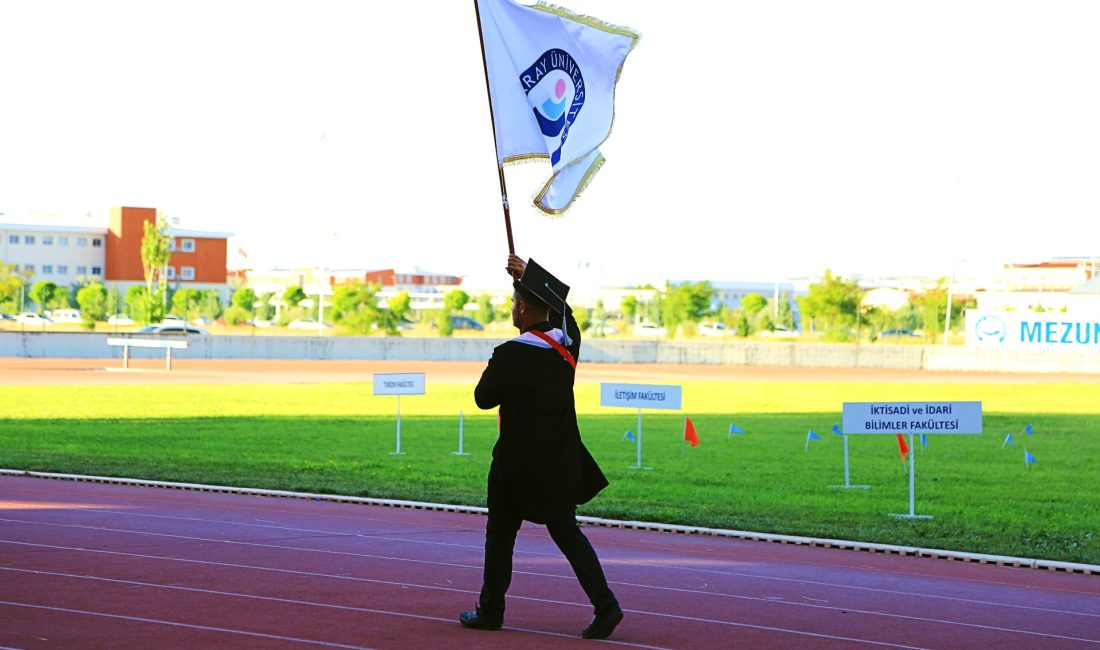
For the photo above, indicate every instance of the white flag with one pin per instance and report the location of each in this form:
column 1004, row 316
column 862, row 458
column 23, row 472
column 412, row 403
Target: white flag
column 552, row 76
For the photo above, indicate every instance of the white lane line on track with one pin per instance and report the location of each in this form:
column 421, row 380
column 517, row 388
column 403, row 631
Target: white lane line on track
column 605, row 561
column 557, row 602
column 204, row 628
column 291, row 601
column 817, row 565
column 439, row 588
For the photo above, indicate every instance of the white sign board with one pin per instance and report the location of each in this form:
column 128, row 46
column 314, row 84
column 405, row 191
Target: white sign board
column 1031, row 330
column 407, row 383
column 641, row 396
column 912, row 417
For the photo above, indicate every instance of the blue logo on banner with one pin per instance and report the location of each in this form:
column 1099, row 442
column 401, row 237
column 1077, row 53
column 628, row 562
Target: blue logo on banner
column 990, row 329
column 555, row 90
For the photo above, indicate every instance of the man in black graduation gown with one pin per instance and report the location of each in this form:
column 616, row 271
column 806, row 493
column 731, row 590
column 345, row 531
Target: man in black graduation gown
column 541, row 470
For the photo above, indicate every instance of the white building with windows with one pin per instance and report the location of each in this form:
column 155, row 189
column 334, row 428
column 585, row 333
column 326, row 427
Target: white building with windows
column 59, row 254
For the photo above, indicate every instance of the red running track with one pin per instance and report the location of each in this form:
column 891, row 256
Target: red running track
column 86, row 565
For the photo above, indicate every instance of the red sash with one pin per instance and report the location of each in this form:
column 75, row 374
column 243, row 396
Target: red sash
column 565, row 354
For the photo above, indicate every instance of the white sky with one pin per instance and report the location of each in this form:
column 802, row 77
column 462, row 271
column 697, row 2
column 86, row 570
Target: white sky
column 753, row 140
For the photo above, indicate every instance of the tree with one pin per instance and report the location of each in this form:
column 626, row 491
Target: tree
column 832, row 304
column 155, row 251
column 294, row 295
column 397, row 311
column 186, row 302
column 629, row 307
column 785, row 315
column 245, row 298
column 93, row 304
column 139, row 304
column 42, row 294
column 355, row 306
column 456, row 300
column 13, row 284
column 453, row 301
column 113, row 301
column 210, row 304
column 485, row 311
column 687, row 302
column 264, row 309
column 753, row 303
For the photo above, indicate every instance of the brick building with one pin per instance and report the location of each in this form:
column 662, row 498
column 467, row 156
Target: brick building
column 68, row 254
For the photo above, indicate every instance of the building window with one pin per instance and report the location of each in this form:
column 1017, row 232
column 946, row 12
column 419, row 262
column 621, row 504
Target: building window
column 47, row 240
column 171, row 245
column 187, row 245
column 29, row 268
column 13, row 239
column 28, row 239
column 81, row 241
column 187, row 272
column 47, row 269
column 82, row 270
column 97, row 242
column 62, row 269
column 170, row 272
column 63, row 240
column 97, row 270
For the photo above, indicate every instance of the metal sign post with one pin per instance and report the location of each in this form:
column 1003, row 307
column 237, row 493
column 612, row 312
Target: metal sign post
column 847, row 482
column 410, row 383
column 639, row 396
column 459, row 452
column 898, row 418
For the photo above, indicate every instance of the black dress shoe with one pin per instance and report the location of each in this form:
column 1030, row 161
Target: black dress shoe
column 603, row 623
column 478, row 620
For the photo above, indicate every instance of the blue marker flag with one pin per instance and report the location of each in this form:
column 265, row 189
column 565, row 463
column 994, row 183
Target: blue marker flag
column 629, row 436
column 923, row 441
column 736, row 429
column 1028, row 430
column 1028, row 458
column 1008, row 441
column 836, row 430
column 810, row 436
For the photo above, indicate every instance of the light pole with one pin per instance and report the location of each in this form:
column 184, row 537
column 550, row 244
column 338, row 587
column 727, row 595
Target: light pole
column 947, row 316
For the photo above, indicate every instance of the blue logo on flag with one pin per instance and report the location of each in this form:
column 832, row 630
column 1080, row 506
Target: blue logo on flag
column 555, row 90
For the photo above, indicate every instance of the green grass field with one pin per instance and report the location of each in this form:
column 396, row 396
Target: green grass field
column 336, row 438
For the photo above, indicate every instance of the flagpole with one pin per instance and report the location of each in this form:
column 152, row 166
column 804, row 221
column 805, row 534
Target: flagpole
column 492, row 121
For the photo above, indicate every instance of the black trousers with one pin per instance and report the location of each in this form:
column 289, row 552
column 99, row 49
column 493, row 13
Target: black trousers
column 500, row 540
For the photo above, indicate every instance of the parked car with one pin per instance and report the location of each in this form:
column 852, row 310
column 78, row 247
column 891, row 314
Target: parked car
column 649, row 329
column 119, row 319
column 465, row 323
column 780, row 332
column 64, row 315
column 31, row 318
column 713, row 329
column 6, row 317
column 172, row 328
column 306, row 324
column 261, row 322
column 602, row 330
column 897, row 333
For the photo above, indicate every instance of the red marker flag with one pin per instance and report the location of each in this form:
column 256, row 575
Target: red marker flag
column 903, row 448
column 689, row 432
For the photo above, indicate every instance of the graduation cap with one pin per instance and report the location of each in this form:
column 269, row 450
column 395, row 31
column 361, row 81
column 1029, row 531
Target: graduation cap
column 541, row 287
